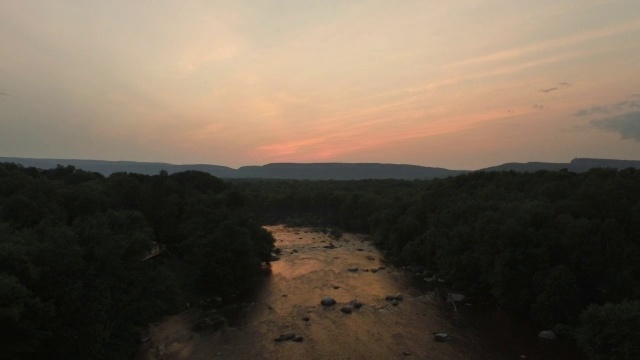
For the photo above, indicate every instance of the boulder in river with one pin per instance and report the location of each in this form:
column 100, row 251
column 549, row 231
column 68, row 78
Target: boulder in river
column 327, row 301
column 441, row 336
column 353, row 269
column 455, row 297
column 346, row 309
column 297, row 339
column 285, row 337
column 356, row 304
column 547, row 335
column 396, row 297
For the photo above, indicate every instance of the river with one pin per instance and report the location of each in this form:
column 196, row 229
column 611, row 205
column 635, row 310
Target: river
column 288, row 301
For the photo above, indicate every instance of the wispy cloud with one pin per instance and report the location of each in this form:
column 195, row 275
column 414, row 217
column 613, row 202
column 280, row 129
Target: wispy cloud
column 549, row 89
column 426, row 89
column 555, row 43
column 607, row 109
column 628, row 125
column 560, row 85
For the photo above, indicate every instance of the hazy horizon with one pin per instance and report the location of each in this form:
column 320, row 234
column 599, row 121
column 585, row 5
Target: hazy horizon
column 236, row 83
column 72, row 160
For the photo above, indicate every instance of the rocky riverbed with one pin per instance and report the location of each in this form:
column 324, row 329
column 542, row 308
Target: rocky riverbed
column 376, row 314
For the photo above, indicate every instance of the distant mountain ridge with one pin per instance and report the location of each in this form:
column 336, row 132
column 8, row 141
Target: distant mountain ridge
column 106, row 167
column 296, row 171
column 527, row 167
column 314, row 171
column 343, row 171
column 576, row 165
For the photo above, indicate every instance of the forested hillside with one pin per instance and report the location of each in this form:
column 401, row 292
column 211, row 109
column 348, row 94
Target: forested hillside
column 561, row 248
column 299, row 171
column 558, row 247
column 74, row 282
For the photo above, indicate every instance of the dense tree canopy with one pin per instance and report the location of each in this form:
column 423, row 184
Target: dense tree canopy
column 558, row 247
column 548, row 245
column 73, row 283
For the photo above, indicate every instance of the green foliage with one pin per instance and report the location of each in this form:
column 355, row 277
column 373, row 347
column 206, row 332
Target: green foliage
column 222, row 259
column 543, row 245
column 556, row 297
column 73, row 283
column 21, row 211
column 610, row 331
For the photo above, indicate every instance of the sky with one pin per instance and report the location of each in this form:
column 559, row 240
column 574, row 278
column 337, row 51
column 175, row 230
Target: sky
column 454, row 84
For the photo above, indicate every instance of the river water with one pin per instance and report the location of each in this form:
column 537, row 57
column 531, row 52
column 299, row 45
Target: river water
column 288, row 301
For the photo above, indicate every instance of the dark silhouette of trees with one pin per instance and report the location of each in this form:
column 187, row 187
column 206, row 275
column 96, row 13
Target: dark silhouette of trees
column 546, row 245
column 558, row 247
column 73, row 283
column 610, row 331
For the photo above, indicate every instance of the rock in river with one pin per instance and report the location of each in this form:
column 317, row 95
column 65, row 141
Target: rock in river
column 396, row 297
column 285, row 337
column 547, row 335
column 328, row 301
column 455, row 297
column 441, row 336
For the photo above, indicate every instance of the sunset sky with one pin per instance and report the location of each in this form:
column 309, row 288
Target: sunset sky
column 455, row 84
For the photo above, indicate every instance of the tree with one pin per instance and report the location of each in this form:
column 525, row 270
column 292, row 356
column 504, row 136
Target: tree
column 610, row 331
column 225, row 261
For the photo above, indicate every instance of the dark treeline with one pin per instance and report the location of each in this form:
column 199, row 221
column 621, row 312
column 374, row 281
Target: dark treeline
column 558, row 247
column 73, row 283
